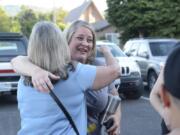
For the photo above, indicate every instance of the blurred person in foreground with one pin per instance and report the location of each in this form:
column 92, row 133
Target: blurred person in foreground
column 81, row 40
column 167, row 87
column 156, row 101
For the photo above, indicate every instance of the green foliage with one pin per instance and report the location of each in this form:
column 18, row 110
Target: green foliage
column 44, row 16
column 61, row 25
column 60, row 14
column 147, row 18
column 15, row 26
column 4, row 22
column 27, row 18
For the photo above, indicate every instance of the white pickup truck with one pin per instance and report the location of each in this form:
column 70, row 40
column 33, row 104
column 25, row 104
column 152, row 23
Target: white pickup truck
column 11, row 45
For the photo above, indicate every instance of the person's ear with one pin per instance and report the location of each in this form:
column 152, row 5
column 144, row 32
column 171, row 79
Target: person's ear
column 165, row 97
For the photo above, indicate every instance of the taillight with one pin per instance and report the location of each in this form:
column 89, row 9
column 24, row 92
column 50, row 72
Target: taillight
column 6, row 71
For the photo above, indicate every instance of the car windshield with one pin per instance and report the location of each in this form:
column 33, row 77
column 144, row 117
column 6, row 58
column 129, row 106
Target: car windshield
column 11, row 48
column 161, row 48
column 115, row 50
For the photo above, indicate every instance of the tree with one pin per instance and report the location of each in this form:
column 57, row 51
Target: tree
column 44, row 16
column 60, row 14
column 27, row 18
column 15, row 26
column 145, row 18
column 5, row 21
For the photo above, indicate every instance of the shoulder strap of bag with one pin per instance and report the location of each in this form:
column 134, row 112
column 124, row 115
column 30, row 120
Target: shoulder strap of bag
column 68, row 116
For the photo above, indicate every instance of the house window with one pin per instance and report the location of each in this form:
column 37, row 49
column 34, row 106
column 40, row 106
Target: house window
column 113, row 37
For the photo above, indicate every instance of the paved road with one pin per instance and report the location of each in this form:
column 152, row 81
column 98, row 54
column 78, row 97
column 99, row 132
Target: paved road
column 9, row 115
column 138, row 117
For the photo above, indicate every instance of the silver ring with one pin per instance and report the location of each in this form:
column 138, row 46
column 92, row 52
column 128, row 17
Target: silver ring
column 44, row 85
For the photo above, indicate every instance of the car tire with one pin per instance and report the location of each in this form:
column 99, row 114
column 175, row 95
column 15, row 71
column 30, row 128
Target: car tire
column 152, row 77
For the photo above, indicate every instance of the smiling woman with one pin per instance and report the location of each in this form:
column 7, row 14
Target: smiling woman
column 82, row 44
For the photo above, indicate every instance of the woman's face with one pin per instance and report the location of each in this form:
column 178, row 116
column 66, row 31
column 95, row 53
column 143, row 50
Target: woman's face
column 81, row 44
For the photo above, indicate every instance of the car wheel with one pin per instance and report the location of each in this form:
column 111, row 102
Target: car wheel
column 152, row 77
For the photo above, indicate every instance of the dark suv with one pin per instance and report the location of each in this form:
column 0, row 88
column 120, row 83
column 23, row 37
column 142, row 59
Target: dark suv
column 150, row 54
column 11, row 45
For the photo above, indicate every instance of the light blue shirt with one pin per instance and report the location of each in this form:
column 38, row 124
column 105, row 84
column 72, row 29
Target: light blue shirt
column 39, row 113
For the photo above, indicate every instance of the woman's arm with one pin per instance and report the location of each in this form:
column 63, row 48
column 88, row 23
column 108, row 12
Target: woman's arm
column 23, row 66
column 106, row 74
column 40, row 77
column 109, row 58
column 154, row 95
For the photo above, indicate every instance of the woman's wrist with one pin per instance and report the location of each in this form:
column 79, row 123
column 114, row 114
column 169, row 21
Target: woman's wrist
column 35, row 70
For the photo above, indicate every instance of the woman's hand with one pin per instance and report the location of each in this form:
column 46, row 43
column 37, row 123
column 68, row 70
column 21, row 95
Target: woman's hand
column 104, row 49
column 41, row 80
column 115, row 128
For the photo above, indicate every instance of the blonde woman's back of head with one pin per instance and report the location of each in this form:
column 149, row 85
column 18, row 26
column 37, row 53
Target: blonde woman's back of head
column 48, row 48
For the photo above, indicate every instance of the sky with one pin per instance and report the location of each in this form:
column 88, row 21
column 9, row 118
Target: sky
column 49, row 4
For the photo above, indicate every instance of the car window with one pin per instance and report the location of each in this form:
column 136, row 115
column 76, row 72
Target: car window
column 161, row 48
column 127, row 46
column 12, row 48
column 142, row 49
column 134, row 48
column 115, row 50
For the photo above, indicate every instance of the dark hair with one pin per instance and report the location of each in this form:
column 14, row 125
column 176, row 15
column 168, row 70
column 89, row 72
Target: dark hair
column 172, row 72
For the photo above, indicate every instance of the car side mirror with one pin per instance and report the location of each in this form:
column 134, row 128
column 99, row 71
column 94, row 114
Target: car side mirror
column 128, row 54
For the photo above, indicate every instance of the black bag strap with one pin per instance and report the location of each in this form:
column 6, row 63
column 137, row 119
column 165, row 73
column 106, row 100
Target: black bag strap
column 68, row 116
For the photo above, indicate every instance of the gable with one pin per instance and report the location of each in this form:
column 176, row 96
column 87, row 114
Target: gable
column 87, row 12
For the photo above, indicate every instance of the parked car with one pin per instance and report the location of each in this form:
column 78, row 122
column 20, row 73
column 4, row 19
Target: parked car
column 11, row 45
column 150, row 55
column 131, row 86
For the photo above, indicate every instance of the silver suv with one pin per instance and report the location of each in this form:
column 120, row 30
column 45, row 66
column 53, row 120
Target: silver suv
column 11, row 45
column 150, row 55
column 131, row 86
